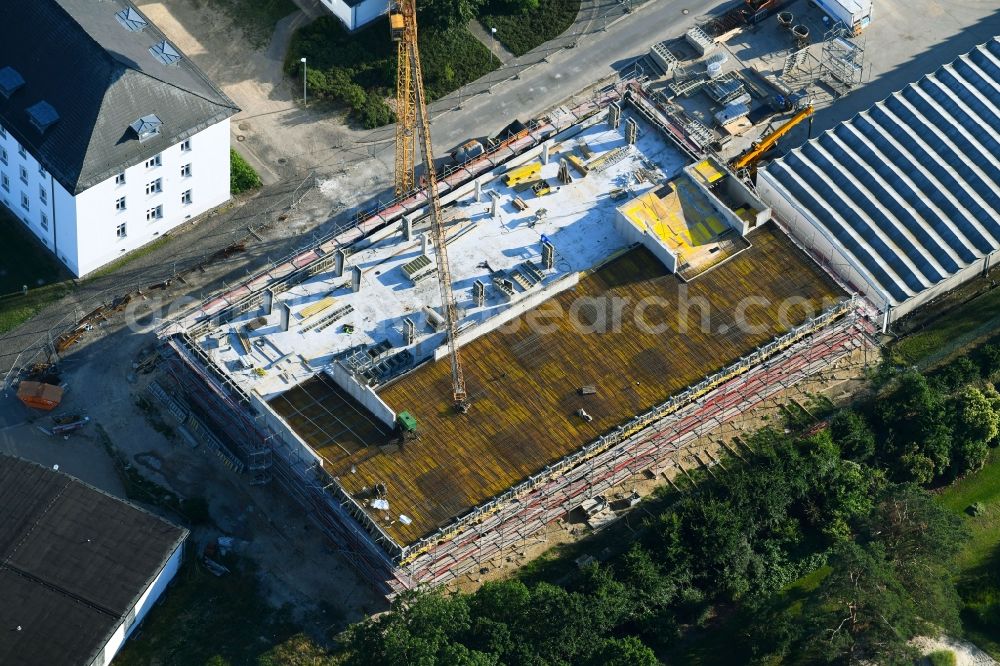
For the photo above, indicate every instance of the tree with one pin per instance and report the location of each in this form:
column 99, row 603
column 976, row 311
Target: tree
column 975, row 422
column 296, row 651
column 629, row 651
column 851, row 433
column 446, row 14
column 918, row 440
column 861, row 613
column 242, row 177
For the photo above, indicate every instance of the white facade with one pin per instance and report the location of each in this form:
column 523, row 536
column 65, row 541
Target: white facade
column 357, row 14
column 91, row 229
column 146, row 601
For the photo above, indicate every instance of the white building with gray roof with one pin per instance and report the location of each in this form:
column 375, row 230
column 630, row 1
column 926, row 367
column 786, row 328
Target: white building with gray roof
column 109, row 136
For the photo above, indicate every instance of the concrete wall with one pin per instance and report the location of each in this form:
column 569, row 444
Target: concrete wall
column 295, row 444
column 146, row 601
column 736, row 191
column 528, row 302
column 634, row 234
column 362, row 393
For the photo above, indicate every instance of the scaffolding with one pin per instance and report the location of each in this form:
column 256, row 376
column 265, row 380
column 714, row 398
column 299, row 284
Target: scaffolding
column 843, row 60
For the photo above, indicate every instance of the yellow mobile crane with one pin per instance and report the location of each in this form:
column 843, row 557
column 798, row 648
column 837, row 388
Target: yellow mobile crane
column 749, row 159
column 411, row 110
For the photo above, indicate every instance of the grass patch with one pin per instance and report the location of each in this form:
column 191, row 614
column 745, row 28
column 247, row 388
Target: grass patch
column 941, row 658
column 204, row 619
column 954, row 329
column 17, row 309
column 979, row 561
column 522, row 31
column 108, row 269
column 358, row 71
column 256, row 18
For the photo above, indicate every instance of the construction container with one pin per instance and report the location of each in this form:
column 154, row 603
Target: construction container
column 39, row 396
column 855, row 14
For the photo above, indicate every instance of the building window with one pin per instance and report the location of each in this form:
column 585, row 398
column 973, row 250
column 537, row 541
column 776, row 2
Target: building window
column 24, row 175
column 185, row 145
column 186, row 197
column 41, row 171
column 5, row 181
column 154, row 213
column 25, row 202
column 121, row 230
column 45, row 221
column 154, row 186
column 154, row 162
column 120, row 179
column 186, row 171
column 3, row 155
column 20, row 151
column 3, row 133
column 43, row 195
column 120, row 203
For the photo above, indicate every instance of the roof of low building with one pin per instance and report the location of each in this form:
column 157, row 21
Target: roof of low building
column 909, row 188
column 73, row 563
column 100, row 66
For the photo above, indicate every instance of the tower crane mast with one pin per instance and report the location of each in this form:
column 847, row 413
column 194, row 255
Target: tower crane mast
column 411, row 113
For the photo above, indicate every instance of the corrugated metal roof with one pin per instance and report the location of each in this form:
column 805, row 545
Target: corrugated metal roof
column 911, row 187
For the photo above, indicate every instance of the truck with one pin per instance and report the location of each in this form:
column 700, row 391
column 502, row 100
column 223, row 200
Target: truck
column 854, row 14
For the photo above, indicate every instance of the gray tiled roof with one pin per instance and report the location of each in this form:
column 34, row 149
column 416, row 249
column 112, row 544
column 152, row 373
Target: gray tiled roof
column 73, row 563
column 99, row 77
column 909, row 188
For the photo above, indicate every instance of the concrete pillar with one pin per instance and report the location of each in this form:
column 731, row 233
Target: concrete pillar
column 268, row 301
column 424, row 244
column 339, row 258
column 631, row 131
column 355, row 279
column 286, row 315
column 548, row 255
column 479, row 191
column 545, row 153
column 409, row 331
column 493, row 207
column 407, row 227
column 564, row 176
column 614, row 115
column 479, row 293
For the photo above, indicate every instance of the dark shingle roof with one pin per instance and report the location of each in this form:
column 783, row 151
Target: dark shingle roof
column 99, row 77
column 910, row 188
column 73, row 562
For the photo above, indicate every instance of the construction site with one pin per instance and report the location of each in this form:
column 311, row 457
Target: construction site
column 526, row 334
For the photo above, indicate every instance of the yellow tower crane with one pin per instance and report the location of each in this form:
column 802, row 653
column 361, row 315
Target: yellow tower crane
column 411, row 111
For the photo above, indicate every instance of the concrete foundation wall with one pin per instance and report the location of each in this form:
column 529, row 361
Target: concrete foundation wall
column 362, row 393
column 528, row 302
column 633, row 234
column 737, row 192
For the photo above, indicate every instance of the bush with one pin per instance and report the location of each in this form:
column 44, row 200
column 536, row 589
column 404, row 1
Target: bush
column 242, row 177
column 941, row 658
column 358, row 71
column 196, row 510
column 521, row 26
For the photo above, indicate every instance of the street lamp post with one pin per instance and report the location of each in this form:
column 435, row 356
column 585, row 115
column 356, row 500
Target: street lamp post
column 305, row 70
column 493, row 52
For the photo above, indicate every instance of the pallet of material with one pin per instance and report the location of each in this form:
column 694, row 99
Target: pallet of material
column 520, row 204
column 317, row 307
column 577, row 164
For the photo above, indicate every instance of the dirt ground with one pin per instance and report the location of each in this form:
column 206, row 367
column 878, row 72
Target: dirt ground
column 297, row 564
column 966, row 654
